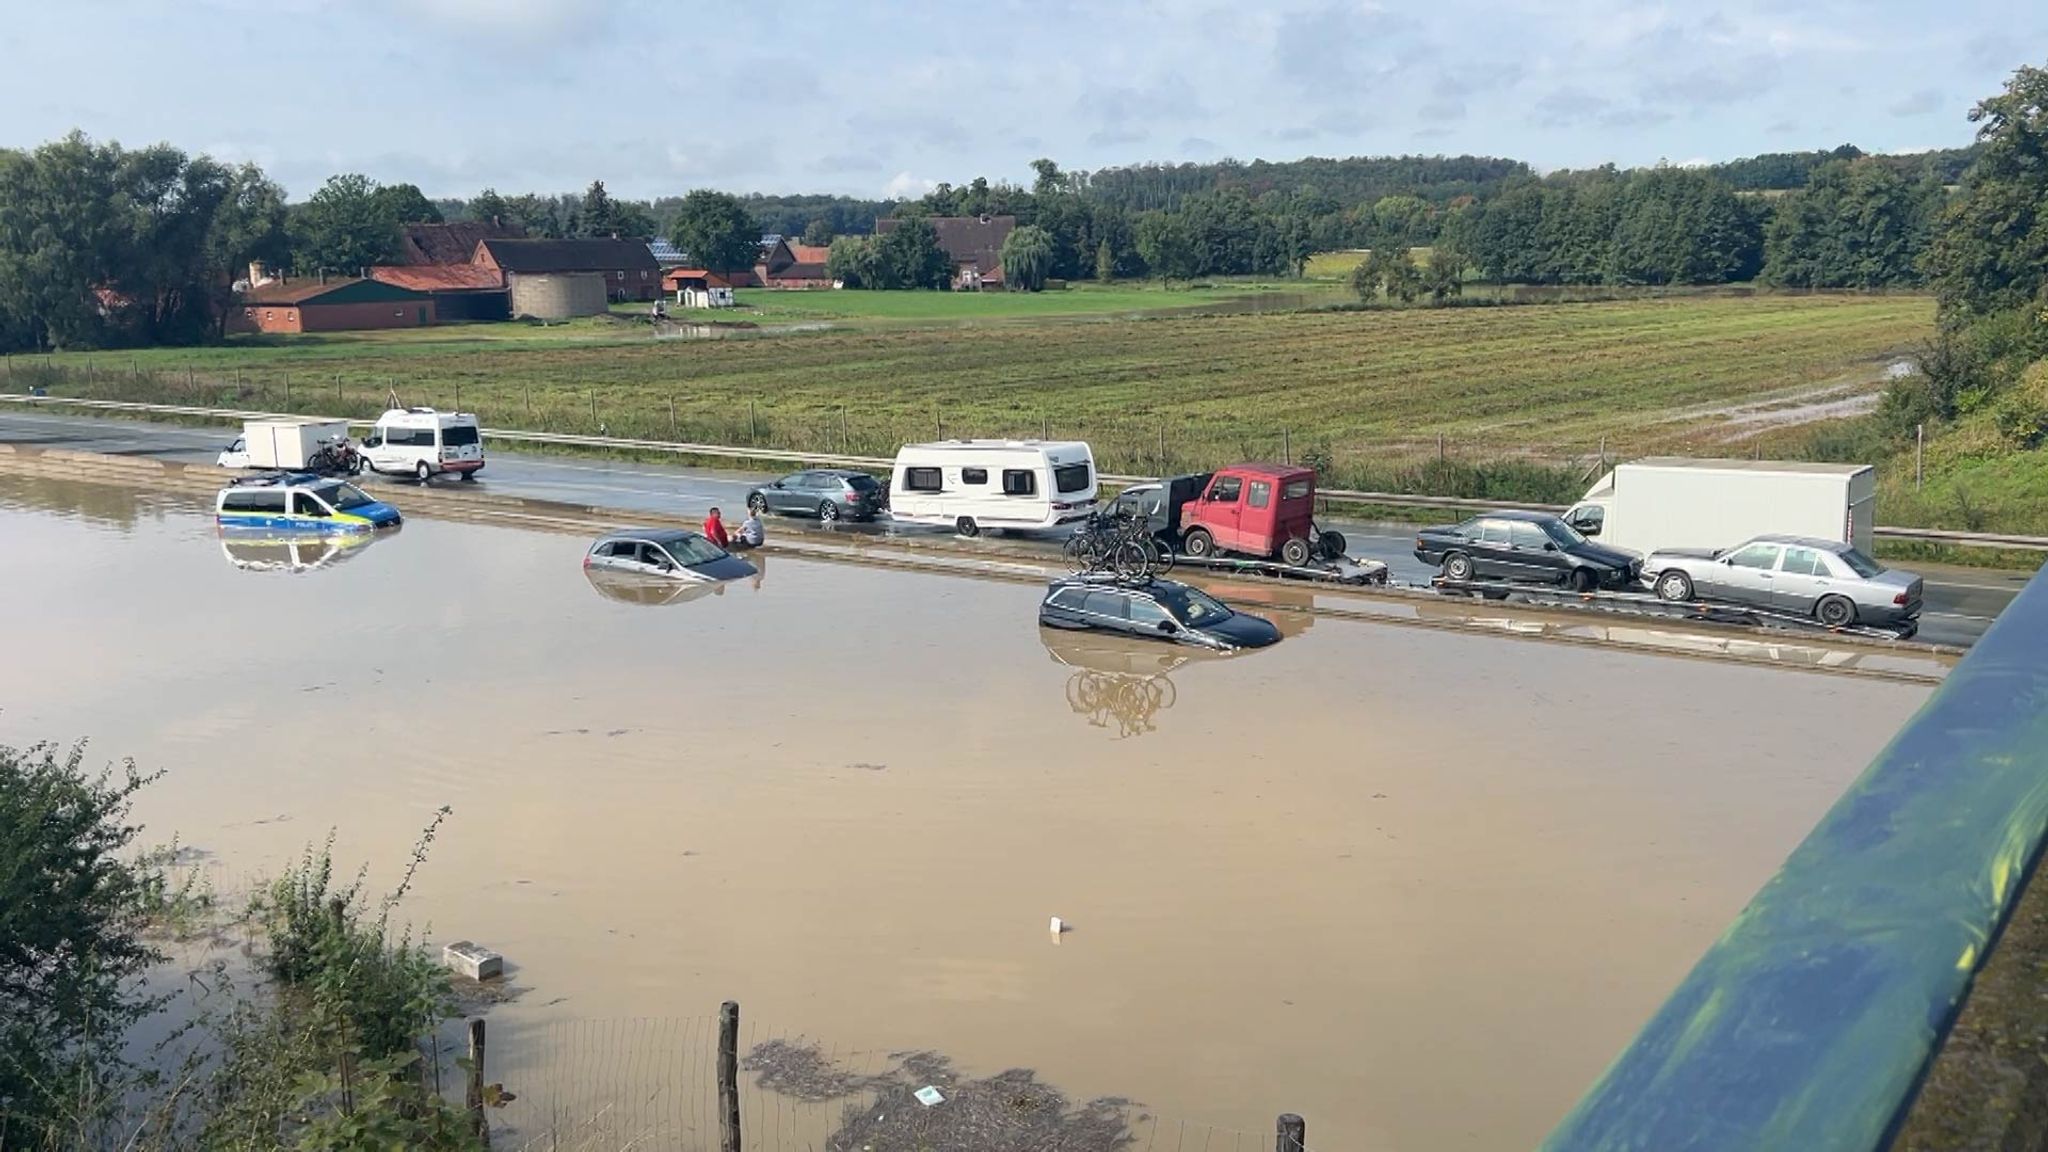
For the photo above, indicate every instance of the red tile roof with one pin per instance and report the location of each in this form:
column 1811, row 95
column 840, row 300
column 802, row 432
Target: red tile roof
column 440, row 277
column 810, row 253
column 450, row 243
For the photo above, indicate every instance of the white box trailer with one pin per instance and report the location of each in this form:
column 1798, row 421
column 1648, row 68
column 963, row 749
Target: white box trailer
column 1671, row 502
column 288, row 444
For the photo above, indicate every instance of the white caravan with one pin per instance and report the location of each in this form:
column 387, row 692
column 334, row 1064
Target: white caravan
column 422, row 443
column 977, row 484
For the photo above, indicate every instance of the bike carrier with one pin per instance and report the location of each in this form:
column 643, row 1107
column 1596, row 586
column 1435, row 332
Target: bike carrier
column 1650, row 604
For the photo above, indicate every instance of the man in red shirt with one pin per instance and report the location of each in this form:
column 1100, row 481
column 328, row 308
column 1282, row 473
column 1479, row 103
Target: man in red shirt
column 714, row 530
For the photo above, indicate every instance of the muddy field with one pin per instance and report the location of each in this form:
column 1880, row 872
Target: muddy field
column 1417, row 886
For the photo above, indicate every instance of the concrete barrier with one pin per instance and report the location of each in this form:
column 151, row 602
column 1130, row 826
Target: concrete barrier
column 1808, row 1024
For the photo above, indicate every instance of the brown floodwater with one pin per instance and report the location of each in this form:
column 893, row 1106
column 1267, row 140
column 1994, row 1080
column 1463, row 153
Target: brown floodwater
column 1418, row 886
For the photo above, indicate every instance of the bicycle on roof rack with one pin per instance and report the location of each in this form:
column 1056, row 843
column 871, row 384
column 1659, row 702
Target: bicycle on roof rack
column 1120, row 543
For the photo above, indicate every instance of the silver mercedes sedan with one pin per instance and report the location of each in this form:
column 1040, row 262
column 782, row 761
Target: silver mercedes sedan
column 1825, row 579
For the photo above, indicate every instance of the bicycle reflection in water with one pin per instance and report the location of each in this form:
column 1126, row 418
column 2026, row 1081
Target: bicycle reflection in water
column 1118, row 684
column 1129, row 702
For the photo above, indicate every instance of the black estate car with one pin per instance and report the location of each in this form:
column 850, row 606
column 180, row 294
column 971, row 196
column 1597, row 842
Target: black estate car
column 1154, row 610
column 1533, row 547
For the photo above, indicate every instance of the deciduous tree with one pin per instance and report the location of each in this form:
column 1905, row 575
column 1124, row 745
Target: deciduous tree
column 343, row 227
column 1027, row 257
column 716, row 232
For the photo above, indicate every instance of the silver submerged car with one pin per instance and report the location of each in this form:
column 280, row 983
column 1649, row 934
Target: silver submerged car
column 1825, row 579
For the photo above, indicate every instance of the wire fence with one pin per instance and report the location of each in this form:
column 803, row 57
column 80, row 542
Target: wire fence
column 651, row 1083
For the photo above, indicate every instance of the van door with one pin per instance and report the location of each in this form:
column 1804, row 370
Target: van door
column 1222, row 511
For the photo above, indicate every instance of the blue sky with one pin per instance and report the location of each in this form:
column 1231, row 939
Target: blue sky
column 872, row 98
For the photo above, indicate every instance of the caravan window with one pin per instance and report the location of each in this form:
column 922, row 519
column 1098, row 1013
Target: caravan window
column 1071, row 477
column 974, row 475
column 923, row 480
column 1019, row 482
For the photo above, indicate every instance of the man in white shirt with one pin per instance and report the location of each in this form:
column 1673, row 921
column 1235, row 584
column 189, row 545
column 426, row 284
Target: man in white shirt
column 751, row 533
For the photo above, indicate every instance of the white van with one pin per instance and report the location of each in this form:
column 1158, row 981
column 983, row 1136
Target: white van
column 423, row 443
column 977, row 484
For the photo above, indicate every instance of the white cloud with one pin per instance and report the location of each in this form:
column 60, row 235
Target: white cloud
column 904, row 186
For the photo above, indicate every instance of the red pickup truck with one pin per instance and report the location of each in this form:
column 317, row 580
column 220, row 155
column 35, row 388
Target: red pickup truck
column 1261, row 510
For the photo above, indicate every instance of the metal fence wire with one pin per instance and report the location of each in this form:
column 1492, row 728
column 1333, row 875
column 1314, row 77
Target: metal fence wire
column 651, row 1083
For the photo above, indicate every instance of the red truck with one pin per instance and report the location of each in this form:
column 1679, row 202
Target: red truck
column 1261, row 510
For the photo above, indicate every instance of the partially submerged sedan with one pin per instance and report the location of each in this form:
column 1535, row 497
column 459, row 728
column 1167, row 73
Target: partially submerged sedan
column 665, row 553
column 1152, row 610
column 1825, row 579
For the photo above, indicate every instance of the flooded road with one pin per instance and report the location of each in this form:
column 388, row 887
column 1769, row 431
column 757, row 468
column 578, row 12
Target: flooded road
column 1417, row 886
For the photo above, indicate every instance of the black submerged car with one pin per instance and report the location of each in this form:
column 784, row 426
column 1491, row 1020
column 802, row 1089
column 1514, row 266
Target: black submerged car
column 1531, row 547
column 1153, row 610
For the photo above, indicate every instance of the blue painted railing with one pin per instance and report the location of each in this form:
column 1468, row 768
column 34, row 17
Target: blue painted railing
column 1807, row 1025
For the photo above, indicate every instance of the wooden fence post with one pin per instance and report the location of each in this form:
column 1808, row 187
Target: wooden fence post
column 1286, row 448
column 1291, row 1135
column 729, row 1076
column 1439, row 447
column 473, row 1097
column 458, row 395
column 287, row 391
column 845, row 440
column 339, row 403
column 593, row 407
column 672, row 418
column 1162, row 449
column 753, row 425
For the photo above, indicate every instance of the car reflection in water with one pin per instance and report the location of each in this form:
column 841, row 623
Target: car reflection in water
column 651, row 592
column 1119, row 685
column 260, row 550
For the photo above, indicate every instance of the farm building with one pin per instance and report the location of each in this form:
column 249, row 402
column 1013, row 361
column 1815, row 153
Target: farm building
column 450, row 243
column 626, row 267
column 462, row 293
column 696, row 288
column 788, row 264
column 974, row 245
column 558, row 295
column 329, row 304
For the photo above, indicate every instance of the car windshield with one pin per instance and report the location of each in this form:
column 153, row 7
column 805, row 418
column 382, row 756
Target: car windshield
column 1863, row 565
column 692, row 550
column 1194, row 608
column 342, row 497
column 1563, row 533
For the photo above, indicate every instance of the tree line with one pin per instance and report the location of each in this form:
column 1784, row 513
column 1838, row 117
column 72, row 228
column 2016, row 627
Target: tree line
column 101, row 246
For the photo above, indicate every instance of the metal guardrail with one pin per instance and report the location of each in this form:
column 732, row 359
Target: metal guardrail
column 1808, row 1023
column 781, row 456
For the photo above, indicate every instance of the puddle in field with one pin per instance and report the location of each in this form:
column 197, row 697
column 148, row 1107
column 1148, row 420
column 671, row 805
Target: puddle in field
column 1417, row 886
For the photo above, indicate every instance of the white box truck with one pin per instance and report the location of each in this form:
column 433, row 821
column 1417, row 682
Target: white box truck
column 1671, row 502
column 288, row 444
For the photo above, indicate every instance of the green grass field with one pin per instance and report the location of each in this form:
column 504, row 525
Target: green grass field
column 1364, row 391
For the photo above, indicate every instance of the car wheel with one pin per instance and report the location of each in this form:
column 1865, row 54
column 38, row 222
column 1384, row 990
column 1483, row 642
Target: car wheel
column 1199, row 544
column 469, row 477
column 828, row 512
column 1835, row 612
column 1582, row 580
column 966, row 526
column 421, row 472
column 1330, row 545
column 1295, row 552
column 1674, row 586
column 1458, row 566
column 757, row 504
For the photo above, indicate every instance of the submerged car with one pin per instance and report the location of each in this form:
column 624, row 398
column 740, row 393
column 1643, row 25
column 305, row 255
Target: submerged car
column 1531, row 547
column 1152, row 610
column 665, row 553
column 300, row 502
column 1826, row 579
column 827, row 493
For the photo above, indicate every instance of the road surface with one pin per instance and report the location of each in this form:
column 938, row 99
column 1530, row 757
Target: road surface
column 1960, row 602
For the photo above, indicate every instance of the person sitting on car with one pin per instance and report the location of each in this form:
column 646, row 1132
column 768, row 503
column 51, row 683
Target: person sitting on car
column 714, row 530
column 751, row 534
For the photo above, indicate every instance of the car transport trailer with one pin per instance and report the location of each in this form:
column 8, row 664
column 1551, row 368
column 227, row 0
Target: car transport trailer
column 1650, row 604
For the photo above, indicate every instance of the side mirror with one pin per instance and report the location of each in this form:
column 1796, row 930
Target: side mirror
column 1550, row 545
column 1589, row 528
column 1168, row 627
column 1728, row 560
